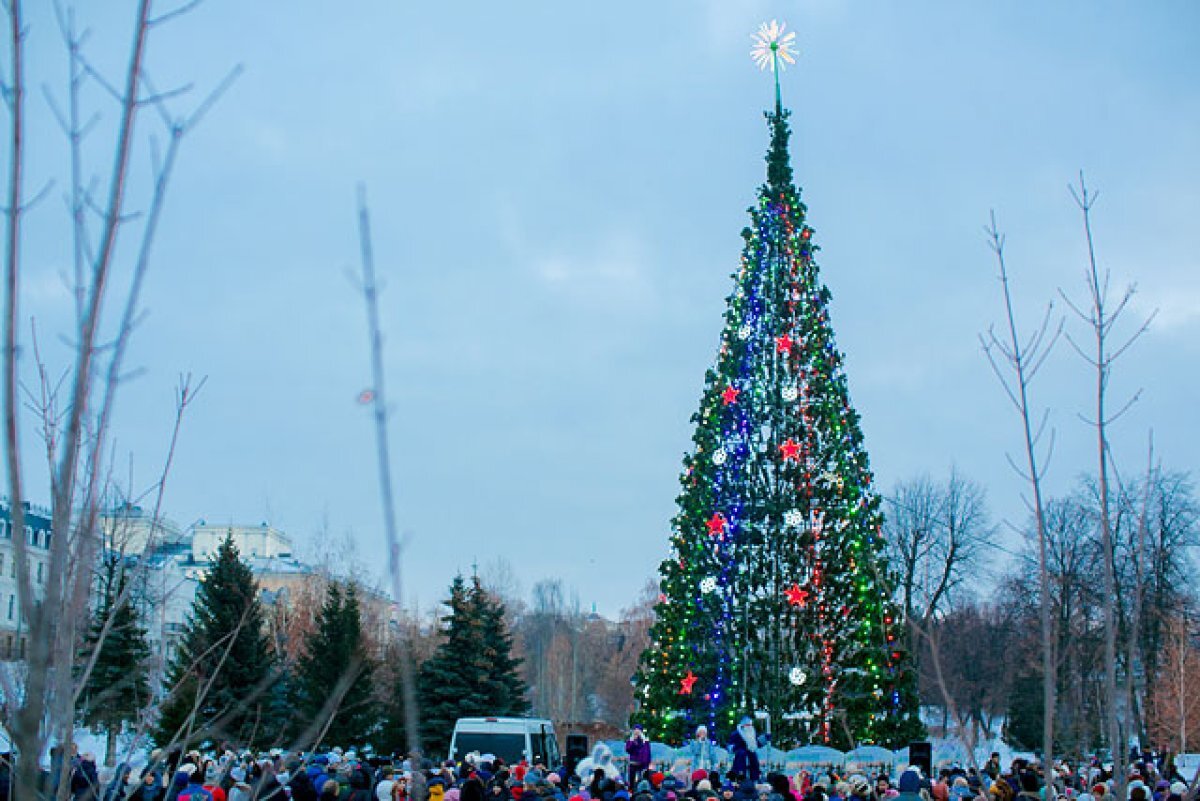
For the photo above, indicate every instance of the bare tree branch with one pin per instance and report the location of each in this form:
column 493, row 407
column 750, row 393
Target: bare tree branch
column 1020, row 364
column 378, row 401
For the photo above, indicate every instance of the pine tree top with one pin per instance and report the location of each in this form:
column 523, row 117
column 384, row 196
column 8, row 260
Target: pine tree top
column 779, row 161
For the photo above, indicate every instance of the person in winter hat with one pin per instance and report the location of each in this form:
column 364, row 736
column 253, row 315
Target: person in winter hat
column 909, row 785
column 473, row 790
column 638, row 749
column 120, row 783
column 300, row 786
column 600, row 760
column 744, row 743
column 212, row 781
column 178, row 783
column 703, row 750
column 1030, row 786
column 195, row 790
column 149, row 788
column 329, row 791
column 240, row 789
column 267, row 786
column 781, row 786
column 85, row 784
column 1001, row 790
column 316, row 775
column 497, row 788
column 383, row 790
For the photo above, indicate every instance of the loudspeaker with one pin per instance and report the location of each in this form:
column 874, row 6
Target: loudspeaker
column 577, row 750
column 921, row 755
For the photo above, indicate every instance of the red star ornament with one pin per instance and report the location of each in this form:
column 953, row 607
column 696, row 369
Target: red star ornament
column 730, row 395
column 784, row 344
column 796, row 596
column 790, row 450
column 716, row 524
column 687, row 683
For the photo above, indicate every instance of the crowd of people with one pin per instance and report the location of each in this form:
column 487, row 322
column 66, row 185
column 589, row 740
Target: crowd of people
column 339, row 775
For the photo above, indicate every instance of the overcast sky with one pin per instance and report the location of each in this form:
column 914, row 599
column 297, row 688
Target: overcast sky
column 557, row 193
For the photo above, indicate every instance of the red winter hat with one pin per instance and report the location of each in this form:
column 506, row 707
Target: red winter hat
column 698, row 775
column 656, row 779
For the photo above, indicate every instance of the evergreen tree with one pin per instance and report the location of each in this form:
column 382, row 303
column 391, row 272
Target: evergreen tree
column 506, row 692
column 448, row 682
column 335, row 661
column 473, row 671
column 776, row 594
column 222, row 675
column 117, row 689
column 1026, row 709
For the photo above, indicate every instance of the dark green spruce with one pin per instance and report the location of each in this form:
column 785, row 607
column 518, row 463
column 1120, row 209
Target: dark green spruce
column 333, row 684
column 117, row 689
column 475, row 653
column 223, row 673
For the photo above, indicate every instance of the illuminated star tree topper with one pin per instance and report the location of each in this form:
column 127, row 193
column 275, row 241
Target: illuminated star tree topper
column 772, row 45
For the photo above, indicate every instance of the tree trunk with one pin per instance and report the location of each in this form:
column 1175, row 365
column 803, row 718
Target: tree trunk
column 110, row 745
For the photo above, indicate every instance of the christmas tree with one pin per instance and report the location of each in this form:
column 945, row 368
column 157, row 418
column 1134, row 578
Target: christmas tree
column 776, row 596
column 117, row 688
column 221, row 679
column 333, row 681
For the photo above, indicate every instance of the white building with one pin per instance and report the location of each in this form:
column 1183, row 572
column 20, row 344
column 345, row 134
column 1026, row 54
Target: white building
column 128, row 529
column 253, row 542
column 37, row 536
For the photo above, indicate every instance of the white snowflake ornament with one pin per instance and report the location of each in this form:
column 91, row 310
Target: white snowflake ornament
column 790, row 394
column 743, row 333
column 793, row 517
column 797, row 676
column 708, row 585
column 773, row 44
column 719, row 457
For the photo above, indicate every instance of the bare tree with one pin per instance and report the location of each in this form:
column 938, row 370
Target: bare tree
column 378, row 399
column 1101, row 316
column 1016, row 361
column 935, row 532
column 77, row 435
column 1172, row 531
column 1174, row 704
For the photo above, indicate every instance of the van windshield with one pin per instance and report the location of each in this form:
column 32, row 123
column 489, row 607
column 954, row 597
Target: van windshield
column 509, row 747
